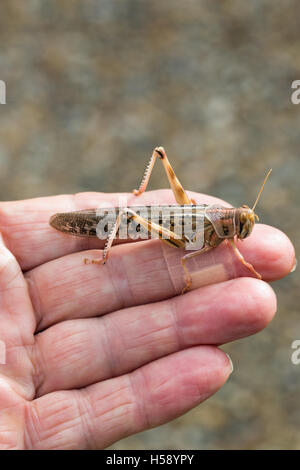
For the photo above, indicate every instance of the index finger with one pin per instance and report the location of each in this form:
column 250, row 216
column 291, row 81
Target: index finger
column 27, row 234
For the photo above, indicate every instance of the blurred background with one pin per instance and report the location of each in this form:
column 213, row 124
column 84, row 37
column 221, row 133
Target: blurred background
column 94, row 85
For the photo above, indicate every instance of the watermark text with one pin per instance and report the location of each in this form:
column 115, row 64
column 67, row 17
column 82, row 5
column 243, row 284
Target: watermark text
column 2, row 92
column 295, row 357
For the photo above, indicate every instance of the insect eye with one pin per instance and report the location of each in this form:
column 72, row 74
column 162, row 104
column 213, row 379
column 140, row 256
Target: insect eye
column 243, row 217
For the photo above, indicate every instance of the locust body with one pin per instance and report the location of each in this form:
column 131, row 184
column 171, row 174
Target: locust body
column 215, row 222
column 178, row 225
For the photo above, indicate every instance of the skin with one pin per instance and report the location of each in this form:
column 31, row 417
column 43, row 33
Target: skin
column 97, row 353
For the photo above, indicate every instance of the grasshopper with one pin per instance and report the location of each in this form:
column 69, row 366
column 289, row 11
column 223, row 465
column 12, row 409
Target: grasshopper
column 217, row 223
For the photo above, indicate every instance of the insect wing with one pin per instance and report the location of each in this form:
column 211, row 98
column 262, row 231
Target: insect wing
column 80, row 223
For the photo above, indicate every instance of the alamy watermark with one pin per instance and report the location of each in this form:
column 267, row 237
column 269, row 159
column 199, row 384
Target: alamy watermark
column 295, row 357
column 295, row 96
column 2, row 92
column 169, row 222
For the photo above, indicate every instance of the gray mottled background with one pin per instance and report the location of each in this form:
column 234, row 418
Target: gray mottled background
column 93, row 86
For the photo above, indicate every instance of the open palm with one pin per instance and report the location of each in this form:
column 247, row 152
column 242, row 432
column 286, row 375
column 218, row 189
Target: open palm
column 94, row 354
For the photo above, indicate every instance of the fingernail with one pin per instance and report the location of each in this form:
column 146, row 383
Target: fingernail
column 231, row 363
column 295, row 266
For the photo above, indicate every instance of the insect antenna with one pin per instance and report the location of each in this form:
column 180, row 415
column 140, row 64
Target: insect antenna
column 262, row 187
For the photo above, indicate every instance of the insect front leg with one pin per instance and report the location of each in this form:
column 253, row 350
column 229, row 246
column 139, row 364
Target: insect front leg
column 242, row 259
column 179, row 193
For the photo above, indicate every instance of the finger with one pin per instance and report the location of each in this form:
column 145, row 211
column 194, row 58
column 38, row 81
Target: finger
column 140, row 273
column 17, row 325
column 28, row 235
column 125, row 340
column 103, row 413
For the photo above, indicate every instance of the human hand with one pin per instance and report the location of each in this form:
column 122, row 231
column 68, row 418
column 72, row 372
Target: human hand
column 96, row 353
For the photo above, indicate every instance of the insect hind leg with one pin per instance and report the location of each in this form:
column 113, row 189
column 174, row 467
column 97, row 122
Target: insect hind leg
column 179, row 193
column 163, row 233
column 110, row 239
